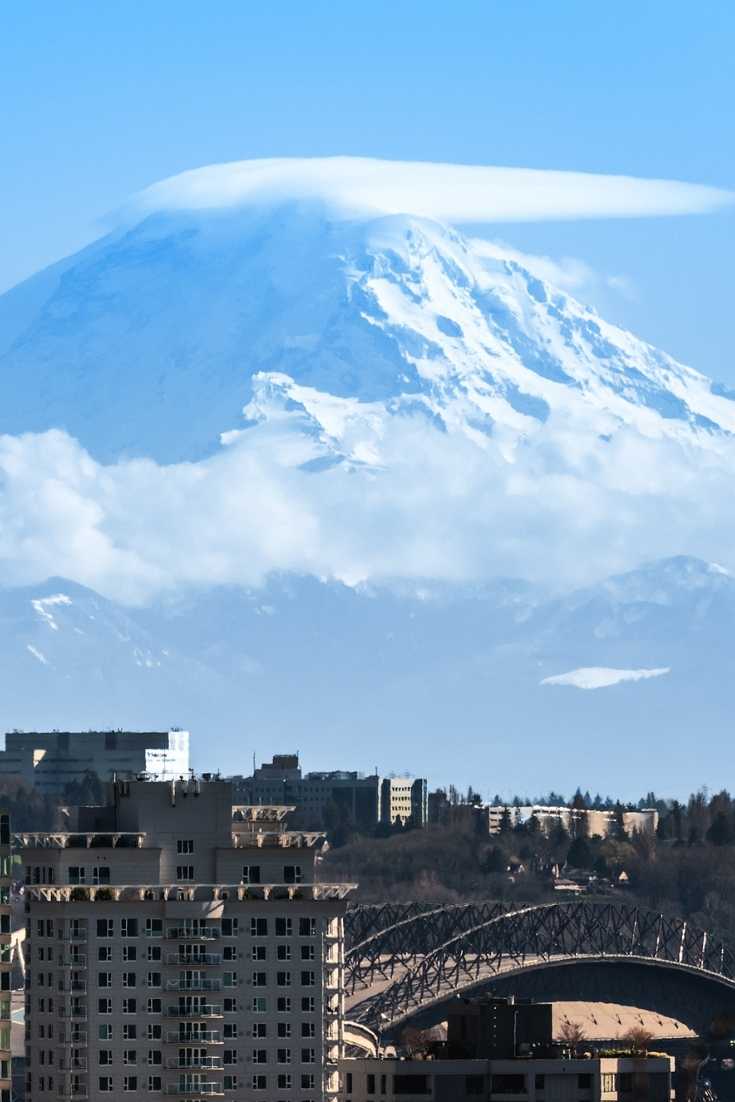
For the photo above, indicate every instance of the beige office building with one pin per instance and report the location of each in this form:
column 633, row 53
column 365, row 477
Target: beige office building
column 180, row 946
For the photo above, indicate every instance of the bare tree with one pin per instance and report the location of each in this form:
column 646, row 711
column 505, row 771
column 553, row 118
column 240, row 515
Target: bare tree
column 572, row 1034
column 639, row 1038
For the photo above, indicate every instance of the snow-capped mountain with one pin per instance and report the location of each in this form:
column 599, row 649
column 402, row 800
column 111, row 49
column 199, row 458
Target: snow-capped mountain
column 152, row 340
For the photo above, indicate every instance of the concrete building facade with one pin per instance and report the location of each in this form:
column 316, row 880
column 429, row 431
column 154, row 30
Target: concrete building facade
column 605, row 1079
column 179, row 945
column 5, row 957
column 49, row 760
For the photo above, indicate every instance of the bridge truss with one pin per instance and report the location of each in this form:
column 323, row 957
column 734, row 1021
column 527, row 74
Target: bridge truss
column 415, row 955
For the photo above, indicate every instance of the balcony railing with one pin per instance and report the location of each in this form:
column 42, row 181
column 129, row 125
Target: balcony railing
column 202, row 960
column 79, row 961
column 194, row 985
column 72, row 1090
column 195, row 1088
column 206, row 1010
column 191, row 933
column 78, row 987
column 202, row 1037
column 73, row 1013
column 208, row 1062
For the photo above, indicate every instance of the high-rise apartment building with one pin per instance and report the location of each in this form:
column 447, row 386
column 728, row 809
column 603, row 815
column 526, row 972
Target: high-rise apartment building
column 5, row 955
column 180, row 946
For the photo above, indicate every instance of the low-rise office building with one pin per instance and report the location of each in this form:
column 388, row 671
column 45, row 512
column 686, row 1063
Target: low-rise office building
column 320, row 798
column 50, row 760
column 591, row 822
column 602, row 1079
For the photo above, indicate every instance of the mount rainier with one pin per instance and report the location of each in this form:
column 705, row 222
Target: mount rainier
column 252, row 418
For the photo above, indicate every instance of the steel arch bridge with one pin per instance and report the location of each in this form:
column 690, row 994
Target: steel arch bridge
column 405, row 960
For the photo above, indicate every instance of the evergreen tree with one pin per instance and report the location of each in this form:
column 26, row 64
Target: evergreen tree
column 579, row 854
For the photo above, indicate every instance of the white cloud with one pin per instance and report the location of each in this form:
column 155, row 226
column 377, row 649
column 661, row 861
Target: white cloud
column 437, row 505
column 600, row 677
column 568, row 273
column 458, row 194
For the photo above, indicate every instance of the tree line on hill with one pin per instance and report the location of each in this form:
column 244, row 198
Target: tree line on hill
column 686, row 868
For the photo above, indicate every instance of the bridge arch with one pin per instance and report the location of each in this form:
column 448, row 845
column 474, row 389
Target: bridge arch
column 516, row 942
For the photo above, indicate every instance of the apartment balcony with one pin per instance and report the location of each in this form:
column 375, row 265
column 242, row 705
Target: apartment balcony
column 73, row 1013
column 186, row 893
column 203, row 960
column 75, row 1038
column 73, row 1090
column 207, row 1010
column 194, row 985
column 189, row 933
column 213, row 1063
column 73, row 1063
column 78, row 936
column 74, row 961
column 205, row 1037
column 195, row 1089
column 76, row 987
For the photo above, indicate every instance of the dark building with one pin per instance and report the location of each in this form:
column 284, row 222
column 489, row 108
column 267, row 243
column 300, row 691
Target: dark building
column 498, row 1029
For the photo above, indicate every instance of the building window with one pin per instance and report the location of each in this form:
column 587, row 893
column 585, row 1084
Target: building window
column 154, row 1082
column 259, row 927
column 130, row 1056
column 104, row 1032
column 154, row 1056
column 104, row 1006
column 185, row 846
column 260, row 979
column 283, row 1056
column 259, row 1083
column 308, row 979
column 229, row 1006
column 283, row 979
column 229, row 927
column 154, row 1007
column 105, row 927
column 308, row 1056
column 154, row 1032
column 283, row 952
column 307, row 1004
column 283, row 1004
column 292, row 874
column 153, row 979
column 260, row 1056
column 284, row 927
column 101, row 874
column 129, row 979
column 284, row 1082
column 184, row 872
column 230, row 1082
column 129, row 1006
column 104, row 954
column 307, row 927
column 130, row 1083
column 308, row 1082
column 251, row 874
column 308, row 1029
column 258, row 952
column 105, row 1083
column 129, row 927
column 104, row 979
column 130, row 1032
column 284, row 1029
column 104, row 1057
column 308, row 952
column 130, row 953
column 260, row 1005
column 153, row 928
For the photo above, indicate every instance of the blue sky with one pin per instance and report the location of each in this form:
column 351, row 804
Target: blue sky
column 101, row 100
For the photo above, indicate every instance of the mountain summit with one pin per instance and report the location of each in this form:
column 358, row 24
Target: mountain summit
column 155, row 339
